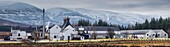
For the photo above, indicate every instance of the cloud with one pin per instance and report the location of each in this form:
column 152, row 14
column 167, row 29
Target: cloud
column 154, row 7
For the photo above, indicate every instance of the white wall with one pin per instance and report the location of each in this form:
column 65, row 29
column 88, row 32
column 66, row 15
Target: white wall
column 54, row 36
column 101, row 36
column 162, row 34
column 140, row 36
column 68, row 31
column 15, row 34
column 91, row 32
column 151, row 34
column 104, row 33
column 55, row 31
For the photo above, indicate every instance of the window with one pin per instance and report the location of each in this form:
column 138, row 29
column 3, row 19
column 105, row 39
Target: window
column 56, row 27
column 157, row 35
column 153, row 34
column 147, row 34
column 19, row 38
column 165, row 34
column 18, row 34
column 55, row 36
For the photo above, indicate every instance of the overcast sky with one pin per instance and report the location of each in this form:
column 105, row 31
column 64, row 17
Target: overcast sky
column 146, row 7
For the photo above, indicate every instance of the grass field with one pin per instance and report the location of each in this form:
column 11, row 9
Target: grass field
column 93, row 43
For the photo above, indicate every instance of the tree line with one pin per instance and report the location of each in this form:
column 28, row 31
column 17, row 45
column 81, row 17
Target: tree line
column 100, row 22
column 154, row 23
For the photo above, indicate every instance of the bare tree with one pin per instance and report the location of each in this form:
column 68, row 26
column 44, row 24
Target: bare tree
column 110, row 33
column 94, row 35
column 36, row 35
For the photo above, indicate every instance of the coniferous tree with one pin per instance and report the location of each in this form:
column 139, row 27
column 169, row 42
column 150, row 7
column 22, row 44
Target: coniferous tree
column 102, row 23
column 160, row 23
column 146, row 24
column 95, row 23
column 84, row 22
column 153, row 23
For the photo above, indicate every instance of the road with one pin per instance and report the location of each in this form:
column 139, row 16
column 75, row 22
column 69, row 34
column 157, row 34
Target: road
column 87, row 40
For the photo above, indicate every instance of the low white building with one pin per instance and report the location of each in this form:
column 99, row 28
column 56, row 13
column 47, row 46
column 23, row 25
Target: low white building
column 141, row 34
column 99, row 31
column 160, row 33
column 18, row 34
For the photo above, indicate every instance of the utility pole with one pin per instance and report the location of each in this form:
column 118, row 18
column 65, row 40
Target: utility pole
column 43, row 35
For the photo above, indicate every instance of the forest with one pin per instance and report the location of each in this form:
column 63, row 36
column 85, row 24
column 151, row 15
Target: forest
column 153, row 23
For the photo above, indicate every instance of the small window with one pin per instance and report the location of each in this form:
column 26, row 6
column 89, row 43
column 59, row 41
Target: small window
column 73, row 30
column 153, row 34
column 19, row 38
column 165, row 34
column 147, row 34
column 18, row 34
column 55, row 36
column 56, row 27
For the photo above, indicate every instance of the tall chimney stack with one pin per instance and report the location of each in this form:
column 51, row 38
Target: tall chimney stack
column 43, row 35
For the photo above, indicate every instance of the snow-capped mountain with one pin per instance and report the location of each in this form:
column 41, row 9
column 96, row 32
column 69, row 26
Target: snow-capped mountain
column 10, row 23
column 21, row 12
column 94, row 15
column 31, row 15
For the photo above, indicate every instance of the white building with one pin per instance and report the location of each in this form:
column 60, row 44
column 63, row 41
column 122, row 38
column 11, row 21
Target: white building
column 68, row 32
column 160, row 34
column 65, row 32
column 55, row 32
column 18, row 34
column 141, row 34
column 100, row 31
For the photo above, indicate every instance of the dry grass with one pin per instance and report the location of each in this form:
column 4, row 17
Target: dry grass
column 92, row 44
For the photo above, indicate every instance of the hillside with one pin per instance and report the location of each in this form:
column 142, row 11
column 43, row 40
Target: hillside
column 28, row 14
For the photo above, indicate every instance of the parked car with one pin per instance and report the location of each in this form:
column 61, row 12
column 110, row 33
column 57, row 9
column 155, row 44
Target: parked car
column 7, row 38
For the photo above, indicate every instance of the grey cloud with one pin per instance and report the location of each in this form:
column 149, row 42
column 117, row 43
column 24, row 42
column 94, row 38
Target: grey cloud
column 139, row 6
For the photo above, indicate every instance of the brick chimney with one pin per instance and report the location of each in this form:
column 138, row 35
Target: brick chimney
column 66, row 22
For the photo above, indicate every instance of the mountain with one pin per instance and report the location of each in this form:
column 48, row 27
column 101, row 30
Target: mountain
column 93, row 15
column 10, row 23
column 58, row 14
column 19, row 12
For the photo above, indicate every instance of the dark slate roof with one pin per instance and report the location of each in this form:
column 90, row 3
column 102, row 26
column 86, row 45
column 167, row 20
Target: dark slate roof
column 66, row 23
column 97, row 28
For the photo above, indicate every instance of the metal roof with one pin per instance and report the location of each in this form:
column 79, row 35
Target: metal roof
column 97, row 28
column 135, row 31
column 157, row 30
column 138, row 31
